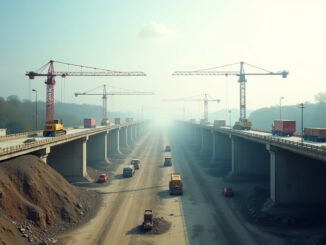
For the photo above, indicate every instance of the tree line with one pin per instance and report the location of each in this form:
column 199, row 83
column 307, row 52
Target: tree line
column 19, row 115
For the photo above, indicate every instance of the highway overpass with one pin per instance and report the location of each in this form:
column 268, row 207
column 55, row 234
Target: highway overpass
column 296, row 169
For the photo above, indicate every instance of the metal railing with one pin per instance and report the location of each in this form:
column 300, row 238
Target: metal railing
column 46, row 141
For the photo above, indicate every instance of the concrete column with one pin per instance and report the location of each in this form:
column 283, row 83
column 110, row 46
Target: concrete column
column 114, row 141
column 207, row 142
column 123, row 137
column 221, row 150
column 43, row 154
column 135, row 129
column 249, row 158
column 198, row 139
column 129, row 135
column 97, row 147
column 69, row 159
column 296, row 179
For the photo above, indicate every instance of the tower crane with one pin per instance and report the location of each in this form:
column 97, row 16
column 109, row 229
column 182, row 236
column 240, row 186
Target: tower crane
column 243, row 122
column 104, row 95
column 55, row 127
column 206, row 99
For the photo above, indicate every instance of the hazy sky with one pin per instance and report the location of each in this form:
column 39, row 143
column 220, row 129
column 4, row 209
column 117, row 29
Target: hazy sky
column 159, row 37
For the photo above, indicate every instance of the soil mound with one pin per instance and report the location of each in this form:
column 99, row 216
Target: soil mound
column 30, row 189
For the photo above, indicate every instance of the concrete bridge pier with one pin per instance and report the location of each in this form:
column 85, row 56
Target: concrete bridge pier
column 129, row 135
column 296, row 179
column 135, row 132
column 207, row 142
column 114, row 145
column 43, row 154
column 123, row 137
column 221, row 150
column 198, row 139
column 249, row 158
column 97, row 146
column 69, row 159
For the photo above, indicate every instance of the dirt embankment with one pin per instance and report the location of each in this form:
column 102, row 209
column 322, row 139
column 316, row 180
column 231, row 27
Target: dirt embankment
column 36, row 202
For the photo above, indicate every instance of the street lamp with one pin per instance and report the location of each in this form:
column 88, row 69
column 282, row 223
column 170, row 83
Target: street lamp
column 229, row 111
column 281, row 107
column 34, row 90
column 301, row 106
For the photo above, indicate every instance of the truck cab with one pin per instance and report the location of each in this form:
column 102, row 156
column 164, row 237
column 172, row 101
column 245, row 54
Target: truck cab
column 175, row 184
column 128, row 171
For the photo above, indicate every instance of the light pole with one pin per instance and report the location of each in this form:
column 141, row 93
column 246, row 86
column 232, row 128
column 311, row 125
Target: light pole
column 281, row 107
column 34, row 90
column 301, row 106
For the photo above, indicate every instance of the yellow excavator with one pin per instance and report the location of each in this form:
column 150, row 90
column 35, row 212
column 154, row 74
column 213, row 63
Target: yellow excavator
column 53, row 128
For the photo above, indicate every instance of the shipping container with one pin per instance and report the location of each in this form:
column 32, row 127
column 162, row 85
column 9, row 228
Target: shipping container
column 89, row 123
column 117, row 120
column 315, row 134
column 3, row 131
column 219, row 123
column 129, row 120
column 283, row 127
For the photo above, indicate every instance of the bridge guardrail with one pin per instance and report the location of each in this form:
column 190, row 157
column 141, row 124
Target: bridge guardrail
column 24, row 146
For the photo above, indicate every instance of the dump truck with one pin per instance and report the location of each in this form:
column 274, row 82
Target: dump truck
column 128, row 171
column 242, row 124
column 167, row 159
column 219, row 123
column 283, row 127
column 175, row 184
column 148, row 219
column 89, row 123
column 315, row 134
column 54, row 128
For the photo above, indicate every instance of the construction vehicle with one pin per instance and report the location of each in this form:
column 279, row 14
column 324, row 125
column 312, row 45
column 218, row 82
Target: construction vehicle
column 243, row 122
column 167, row 159
column 89, row 123
column 105, row 121
column 53, row 128
column 219, row 123
column 175, row 184
column 283, row 127
column 315, row 134
column 148, row 220
column 206, row 99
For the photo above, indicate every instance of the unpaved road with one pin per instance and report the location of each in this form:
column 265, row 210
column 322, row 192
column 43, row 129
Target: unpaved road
column 125, row 200
column 201, row 216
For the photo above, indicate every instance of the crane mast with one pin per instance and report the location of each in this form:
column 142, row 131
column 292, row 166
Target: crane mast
column 205, row 100
column 104, row 95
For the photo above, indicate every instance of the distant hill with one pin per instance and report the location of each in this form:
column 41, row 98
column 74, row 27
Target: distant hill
column 19, row 116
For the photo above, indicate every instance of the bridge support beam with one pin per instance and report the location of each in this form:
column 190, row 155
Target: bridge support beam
column 114, row 145
column 123, row 137
column 69, row 159
column 207, row 142
column 129, row 135
column 43, row 154
column 249, row 158
column 296, row 179
column 221, row 150
column 97, row 146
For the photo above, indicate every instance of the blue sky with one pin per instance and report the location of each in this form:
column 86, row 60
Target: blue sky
column 159, row 37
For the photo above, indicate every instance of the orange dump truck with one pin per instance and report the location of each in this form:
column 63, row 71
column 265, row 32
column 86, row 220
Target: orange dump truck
column 175, row 185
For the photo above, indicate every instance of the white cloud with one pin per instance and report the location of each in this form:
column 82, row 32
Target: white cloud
column 154, row 30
